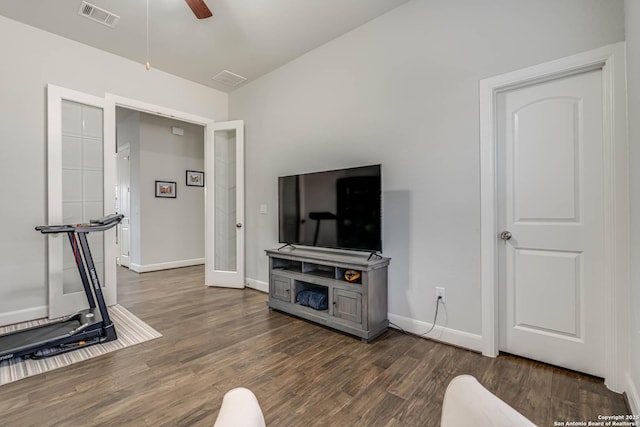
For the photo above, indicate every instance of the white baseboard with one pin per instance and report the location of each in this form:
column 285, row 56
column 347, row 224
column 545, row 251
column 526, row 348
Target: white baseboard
column 144, row 268
column 439, row 333
column 24, row 315
column 257, row 285
column 632, row 395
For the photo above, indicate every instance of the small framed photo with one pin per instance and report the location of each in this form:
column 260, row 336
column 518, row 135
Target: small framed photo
column 195, row 179
column 166, row 189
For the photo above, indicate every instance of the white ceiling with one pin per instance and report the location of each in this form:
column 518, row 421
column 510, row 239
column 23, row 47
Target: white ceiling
column 246, row 37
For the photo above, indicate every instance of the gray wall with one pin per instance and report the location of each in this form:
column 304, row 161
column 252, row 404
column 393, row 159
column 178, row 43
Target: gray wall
column 163, row 231
column 632, row 26
column 171, row 229
column 31, row 59
column 402, row 90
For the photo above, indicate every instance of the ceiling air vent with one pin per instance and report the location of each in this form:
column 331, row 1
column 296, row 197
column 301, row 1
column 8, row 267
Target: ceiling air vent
column 98, row 14
column 228, row 78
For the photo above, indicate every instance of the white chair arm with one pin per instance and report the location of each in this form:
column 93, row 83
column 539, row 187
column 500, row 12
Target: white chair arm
column 468, row 403
column 240, row 408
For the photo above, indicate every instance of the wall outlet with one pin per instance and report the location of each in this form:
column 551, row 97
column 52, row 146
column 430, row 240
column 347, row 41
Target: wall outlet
column 440, row 293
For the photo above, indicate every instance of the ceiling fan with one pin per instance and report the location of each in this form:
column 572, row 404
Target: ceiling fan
column 199, row 8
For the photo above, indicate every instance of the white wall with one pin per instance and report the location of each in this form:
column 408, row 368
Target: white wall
column 31, row 59
column 402, row 90
column 172, row 230
column 632, row 28
column 165, row 233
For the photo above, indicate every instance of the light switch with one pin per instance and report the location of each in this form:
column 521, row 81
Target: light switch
column 263, row 209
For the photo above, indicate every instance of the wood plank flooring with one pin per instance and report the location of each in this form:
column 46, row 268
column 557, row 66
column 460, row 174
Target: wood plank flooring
column 303, row 375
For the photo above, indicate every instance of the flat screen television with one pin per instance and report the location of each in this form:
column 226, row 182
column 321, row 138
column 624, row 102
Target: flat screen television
column 339, row 209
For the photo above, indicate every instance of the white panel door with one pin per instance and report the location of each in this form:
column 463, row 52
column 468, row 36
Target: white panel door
column 124, row 203
column 225, row 178
column 550, row 181
column 81, row 184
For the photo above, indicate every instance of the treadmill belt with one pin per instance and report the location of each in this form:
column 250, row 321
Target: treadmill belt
column 26, row 338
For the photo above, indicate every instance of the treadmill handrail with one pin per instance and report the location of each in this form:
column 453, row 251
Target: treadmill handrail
column 100, row 224
column 112, row 218
column 44, row 229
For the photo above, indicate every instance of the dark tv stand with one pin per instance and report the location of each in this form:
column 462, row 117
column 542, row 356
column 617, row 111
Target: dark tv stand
column 358, row 308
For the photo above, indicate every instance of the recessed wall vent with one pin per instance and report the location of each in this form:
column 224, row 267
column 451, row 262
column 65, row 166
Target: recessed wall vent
column 228, row 78
column 98, row 14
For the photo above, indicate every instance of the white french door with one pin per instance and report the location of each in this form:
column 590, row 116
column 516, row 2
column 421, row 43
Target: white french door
column 550, row 175
column 225, row 178
column 81, row 186
column 124, row 203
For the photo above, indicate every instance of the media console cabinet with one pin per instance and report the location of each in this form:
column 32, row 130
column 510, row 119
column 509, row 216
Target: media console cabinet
column 358, row 308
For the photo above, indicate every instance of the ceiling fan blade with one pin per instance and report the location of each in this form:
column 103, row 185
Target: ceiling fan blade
column 199, row 8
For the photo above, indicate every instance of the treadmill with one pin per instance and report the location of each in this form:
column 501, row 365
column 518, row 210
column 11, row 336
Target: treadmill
column 87, row 327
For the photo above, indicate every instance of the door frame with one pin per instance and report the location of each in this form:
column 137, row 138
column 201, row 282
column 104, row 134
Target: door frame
column 55, row 96
column 611, row 60
column 112, row 101
column 121, row 197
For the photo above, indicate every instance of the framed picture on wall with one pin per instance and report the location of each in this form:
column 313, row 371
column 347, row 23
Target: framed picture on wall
column 195, row 179
column 166, row 189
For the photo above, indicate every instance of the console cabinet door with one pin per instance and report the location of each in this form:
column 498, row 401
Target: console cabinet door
column 347, row 305
column 281, row 288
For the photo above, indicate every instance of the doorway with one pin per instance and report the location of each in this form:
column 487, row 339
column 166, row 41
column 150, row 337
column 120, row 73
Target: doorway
column 511, row 262
column 213, row 276
column 166, row 230
column 551, row 213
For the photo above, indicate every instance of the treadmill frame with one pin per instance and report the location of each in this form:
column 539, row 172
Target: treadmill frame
column 86, row 327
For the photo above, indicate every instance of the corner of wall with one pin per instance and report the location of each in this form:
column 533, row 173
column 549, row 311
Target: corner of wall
column 258, row 285
column 632, row 395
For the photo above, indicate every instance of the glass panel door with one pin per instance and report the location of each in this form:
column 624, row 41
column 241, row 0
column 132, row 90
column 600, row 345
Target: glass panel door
column 226, row 179
column 82, row 183
column 81, row 186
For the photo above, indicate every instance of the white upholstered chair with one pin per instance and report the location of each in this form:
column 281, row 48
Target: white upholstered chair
column 240, row 408
column 467, row 403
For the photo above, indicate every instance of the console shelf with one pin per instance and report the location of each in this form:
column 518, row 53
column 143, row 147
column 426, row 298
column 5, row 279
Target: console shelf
column 356, row 307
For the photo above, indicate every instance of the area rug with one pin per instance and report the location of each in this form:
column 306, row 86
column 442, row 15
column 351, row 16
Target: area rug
column 130, row 330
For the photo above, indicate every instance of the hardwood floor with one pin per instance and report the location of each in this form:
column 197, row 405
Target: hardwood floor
column 303, row 375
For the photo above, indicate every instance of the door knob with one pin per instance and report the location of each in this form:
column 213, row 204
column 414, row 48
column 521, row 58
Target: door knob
column 239, row 225
column 505, row 235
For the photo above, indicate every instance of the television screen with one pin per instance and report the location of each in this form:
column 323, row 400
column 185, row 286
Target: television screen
column 332, row 209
